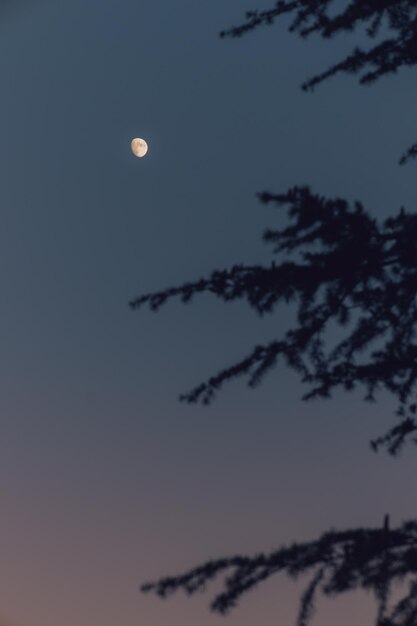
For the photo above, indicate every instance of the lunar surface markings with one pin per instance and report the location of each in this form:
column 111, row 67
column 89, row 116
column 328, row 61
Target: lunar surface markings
column 139, row 147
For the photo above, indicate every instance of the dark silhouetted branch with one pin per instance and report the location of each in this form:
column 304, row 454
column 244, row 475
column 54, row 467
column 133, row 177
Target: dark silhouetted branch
column 394, row 20
column 353, row 282
column 379, row 560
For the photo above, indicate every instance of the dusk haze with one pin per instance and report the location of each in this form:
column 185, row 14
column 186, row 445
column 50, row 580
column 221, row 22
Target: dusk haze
column 107, row 480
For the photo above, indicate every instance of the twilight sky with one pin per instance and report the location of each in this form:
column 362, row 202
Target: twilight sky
column 106, row 480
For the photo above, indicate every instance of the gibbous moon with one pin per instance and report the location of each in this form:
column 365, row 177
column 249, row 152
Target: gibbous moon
column 139, row 147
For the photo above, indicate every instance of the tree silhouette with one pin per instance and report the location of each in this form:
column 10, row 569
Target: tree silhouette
column 340, row 268
column 354, row 284
column 393, row 21
column 379, row 560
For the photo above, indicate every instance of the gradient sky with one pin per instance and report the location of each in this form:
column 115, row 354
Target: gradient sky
column 106, row 480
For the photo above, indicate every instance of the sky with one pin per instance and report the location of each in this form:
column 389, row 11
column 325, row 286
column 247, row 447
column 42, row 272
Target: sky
column 106, row 480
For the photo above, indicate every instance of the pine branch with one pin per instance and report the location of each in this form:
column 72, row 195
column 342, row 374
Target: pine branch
column 374, row 559
column 341, row 269
column 318, row 17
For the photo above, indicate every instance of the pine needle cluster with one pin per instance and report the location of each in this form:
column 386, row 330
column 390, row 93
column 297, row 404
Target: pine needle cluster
column 390, row 26
column 353, row 282
column 380, row 560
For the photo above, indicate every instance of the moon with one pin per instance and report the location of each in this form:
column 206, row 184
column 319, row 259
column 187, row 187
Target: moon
column 139, row 147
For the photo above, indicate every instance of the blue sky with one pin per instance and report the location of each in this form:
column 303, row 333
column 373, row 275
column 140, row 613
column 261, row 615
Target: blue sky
column 106, row 479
